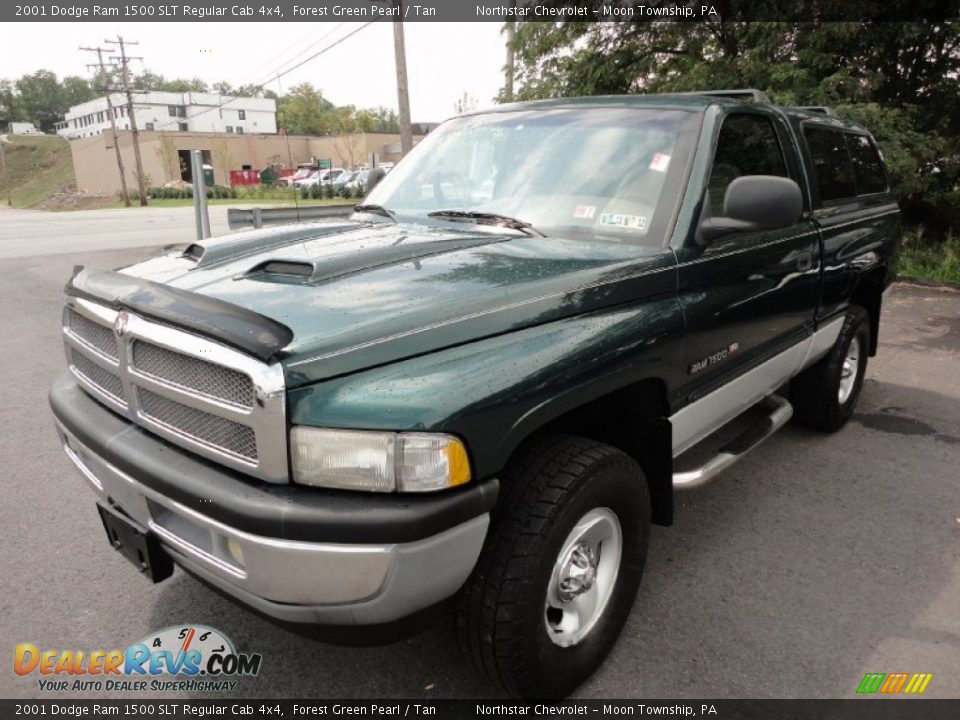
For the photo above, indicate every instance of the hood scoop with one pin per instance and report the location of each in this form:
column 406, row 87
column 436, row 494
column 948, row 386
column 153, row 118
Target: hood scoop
column 226, row 248
column 337, row 266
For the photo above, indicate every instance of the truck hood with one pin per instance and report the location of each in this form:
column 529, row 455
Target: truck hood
column 356, row 295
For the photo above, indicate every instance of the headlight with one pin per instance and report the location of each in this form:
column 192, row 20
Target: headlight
column 377, row 461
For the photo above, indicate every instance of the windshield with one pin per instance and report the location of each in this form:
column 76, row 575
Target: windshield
column 596, row 173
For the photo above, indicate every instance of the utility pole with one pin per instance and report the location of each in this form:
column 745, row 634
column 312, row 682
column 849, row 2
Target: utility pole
column 135, row 132
column 508, row 69
column 403, row 98
column 3, row 169
column 104, row 76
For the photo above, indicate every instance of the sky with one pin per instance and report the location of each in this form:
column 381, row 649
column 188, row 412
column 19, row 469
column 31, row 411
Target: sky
column 444, row 60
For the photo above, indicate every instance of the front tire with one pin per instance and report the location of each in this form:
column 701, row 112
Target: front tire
column 559, row 572
column 825, row 395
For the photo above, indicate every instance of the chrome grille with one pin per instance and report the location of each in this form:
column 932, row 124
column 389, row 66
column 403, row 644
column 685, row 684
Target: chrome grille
column 101, row 377
column 191, row 391
column 192, row 374
column 202, row 426
column 94, row 334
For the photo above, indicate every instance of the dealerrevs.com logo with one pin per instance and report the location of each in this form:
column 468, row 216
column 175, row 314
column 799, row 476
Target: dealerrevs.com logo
column 182, row 658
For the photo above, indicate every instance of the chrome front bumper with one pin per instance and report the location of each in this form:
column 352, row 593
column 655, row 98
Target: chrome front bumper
column 291, row 580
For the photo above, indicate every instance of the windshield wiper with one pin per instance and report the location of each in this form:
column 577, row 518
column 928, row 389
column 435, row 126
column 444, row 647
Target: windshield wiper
column 484, row 218
column 376, row 210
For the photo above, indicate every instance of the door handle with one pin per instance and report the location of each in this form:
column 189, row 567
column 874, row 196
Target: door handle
column 804, row 261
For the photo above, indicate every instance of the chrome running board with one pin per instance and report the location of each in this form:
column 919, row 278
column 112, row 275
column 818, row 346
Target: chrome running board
column 779, row 411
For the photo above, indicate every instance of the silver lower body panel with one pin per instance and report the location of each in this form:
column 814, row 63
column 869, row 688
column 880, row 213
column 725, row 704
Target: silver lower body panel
column 294, row 581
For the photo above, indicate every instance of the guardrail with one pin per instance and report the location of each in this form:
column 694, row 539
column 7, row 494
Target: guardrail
column 258, row 217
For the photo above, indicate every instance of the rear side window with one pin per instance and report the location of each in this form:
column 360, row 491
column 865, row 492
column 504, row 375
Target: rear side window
column 831, row 164
column 747, row 145
column 867, row 166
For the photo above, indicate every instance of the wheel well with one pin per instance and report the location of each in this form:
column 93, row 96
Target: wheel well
column 868, row 294
column 633, row 419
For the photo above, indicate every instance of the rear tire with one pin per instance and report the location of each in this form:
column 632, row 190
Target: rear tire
column 825, row 395
column 560, row 568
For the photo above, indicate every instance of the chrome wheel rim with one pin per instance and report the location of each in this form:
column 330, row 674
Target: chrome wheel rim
column 849, row 370
column 583, row 577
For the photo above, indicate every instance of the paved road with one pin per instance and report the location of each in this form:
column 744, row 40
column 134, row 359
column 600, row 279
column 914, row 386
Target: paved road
column 29, row 233
column 815, row 560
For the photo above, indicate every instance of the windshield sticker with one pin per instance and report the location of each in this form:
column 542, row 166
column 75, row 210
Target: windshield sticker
column 585, row 211
column 636, row 222
column 660, row 162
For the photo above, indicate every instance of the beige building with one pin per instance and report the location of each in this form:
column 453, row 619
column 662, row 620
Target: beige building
column 166, row 155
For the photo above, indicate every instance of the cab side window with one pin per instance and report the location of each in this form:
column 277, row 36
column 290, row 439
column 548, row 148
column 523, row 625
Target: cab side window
column 747, row 145
column 831, row 164
column 867, row 166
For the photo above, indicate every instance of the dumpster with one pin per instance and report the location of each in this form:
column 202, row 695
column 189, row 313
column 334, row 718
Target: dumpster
column 268, row 176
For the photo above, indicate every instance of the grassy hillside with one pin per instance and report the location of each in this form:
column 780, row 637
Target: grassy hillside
column 38, row 168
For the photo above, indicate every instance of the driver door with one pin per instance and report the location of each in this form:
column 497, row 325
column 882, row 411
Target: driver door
column 748, row 297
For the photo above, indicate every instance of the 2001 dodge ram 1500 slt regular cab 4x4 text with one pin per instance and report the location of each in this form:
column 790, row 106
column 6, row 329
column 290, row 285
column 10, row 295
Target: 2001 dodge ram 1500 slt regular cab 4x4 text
column 478, row 387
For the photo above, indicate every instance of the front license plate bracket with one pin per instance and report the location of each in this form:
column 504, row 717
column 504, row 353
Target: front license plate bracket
column 137, row 544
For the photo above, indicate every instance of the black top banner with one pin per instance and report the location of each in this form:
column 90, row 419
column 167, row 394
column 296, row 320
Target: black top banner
column 914, row 709
column 480, row 11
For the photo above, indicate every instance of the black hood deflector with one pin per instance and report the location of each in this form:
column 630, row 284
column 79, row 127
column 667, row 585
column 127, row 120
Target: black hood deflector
column 225, row 322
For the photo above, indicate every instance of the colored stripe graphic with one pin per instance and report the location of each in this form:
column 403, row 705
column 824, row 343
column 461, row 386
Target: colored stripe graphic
column 913, row 683
column 894, row 683
column 918, row 683
column 871, row 682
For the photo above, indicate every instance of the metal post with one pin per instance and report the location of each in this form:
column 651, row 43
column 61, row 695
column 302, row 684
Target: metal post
column 6, row 178
column 403, row 97
column 510, row 29
column 200, row 212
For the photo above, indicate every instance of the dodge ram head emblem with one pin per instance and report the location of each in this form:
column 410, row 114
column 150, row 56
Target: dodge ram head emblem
column 120, row 324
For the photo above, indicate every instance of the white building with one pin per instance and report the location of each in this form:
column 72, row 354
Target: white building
column 24, row 128
column 186, row 112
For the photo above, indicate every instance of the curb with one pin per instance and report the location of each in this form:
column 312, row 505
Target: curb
column 927, row 282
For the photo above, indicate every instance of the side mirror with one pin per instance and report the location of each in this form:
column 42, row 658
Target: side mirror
column 754, row 202
column 375, row 176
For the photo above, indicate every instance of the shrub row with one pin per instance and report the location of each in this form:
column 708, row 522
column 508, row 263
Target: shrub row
column 329, row 191
column 186, row 192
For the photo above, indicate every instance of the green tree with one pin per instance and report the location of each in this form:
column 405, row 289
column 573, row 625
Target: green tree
column 251, row 90
column 148, row 80
column 902, row 80
column 75, row 90
column 11, row 109
column 42, row 99
column 304, row 111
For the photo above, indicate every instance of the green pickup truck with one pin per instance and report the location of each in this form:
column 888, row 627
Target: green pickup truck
column 483, row 387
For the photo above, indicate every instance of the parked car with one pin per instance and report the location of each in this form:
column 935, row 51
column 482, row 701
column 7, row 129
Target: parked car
column 301, row 174
column 481, row 388
column 320, row 177
column 358, row 181
column 342, row 179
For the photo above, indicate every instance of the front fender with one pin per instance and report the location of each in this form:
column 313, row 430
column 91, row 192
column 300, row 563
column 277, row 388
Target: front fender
column 495, row 392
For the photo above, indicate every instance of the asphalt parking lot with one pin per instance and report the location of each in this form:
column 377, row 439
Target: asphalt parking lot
column 815, row 560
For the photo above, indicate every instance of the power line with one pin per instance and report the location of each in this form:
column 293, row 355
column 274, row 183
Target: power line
column 269, row 77
column 261, row 86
